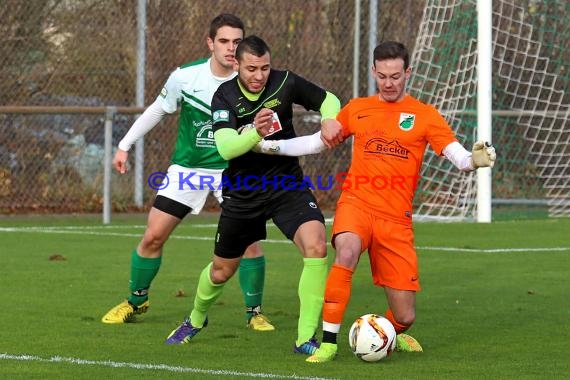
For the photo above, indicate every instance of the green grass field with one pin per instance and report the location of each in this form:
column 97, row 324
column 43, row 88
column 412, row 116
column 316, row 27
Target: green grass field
column 495, row 304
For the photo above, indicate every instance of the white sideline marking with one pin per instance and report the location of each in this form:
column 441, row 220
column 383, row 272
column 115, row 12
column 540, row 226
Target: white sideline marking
column 163, row 367
column 87, row 230
column 141, row 226
column 494, row 250
column 119, row 234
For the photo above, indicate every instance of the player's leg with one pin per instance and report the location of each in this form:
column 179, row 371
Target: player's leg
column 349, row 225
column 310, row 239
column 171, row 205
column 394, row 265
column 210, row 287
column 146, row 259
column 233, row 237
column 297, row 215
column 401, row 313
column 252, row 281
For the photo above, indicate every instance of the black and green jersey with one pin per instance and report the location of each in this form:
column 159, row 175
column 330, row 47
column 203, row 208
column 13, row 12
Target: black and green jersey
column 253, row 179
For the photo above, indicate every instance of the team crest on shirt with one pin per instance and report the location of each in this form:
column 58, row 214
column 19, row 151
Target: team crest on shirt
column 407, row 121
column 164, row 92
column 221, row 115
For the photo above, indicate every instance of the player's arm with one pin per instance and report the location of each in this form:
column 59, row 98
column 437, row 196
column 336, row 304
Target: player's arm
column 311, row 144
column 331, row 130
column 232, row 144
column 148, row 120
column 297, row 146
column 314, row 97
column 482, row 155
column 165, row 103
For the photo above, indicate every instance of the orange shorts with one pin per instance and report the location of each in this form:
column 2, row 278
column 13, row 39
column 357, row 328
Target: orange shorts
column 393, row 259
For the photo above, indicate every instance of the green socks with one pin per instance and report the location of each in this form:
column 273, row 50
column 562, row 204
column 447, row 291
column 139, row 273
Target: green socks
column 143, row 271
column 252, row 280
column 311, row 296
column 206, row 294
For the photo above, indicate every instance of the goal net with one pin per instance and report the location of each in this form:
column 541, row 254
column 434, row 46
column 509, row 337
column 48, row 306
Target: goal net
column 531, row 103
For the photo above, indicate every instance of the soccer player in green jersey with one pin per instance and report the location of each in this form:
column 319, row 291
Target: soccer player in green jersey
column 195, row 158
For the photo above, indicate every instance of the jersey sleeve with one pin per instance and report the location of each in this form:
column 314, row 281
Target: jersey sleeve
column 307, row 94
column 171, row 93
column 439, row 133
column 343, row 117
column 223, row 114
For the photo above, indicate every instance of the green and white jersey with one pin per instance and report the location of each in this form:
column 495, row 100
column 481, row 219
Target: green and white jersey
column 192, row 86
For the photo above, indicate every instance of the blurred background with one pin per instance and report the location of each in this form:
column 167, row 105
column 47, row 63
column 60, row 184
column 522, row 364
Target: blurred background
column 83, row 56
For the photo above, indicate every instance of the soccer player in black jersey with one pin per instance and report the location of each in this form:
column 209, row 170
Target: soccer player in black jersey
column 258, row 104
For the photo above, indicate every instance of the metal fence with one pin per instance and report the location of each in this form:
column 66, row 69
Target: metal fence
column 82, row 56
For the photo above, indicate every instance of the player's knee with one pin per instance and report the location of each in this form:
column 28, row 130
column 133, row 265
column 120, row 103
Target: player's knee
column 347, row 258
column 316, row 249
column 220, row 274
column 253, row 251
column 406, row 319
column 152, row 241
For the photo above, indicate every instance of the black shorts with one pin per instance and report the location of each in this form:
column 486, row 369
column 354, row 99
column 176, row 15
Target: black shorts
column 288, row 212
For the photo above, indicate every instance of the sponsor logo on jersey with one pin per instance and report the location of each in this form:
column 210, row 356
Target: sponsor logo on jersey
column 407, row 121
column 385, row 147
column 205, row 137
column 271, row 103
column 221, row 115
column 163, row 92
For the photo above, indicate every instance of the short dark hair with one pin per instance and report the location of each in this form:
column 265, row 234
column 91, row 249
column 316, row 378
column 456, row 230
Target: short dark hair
column 253, row 45
column 391, row 50
column 225, row 19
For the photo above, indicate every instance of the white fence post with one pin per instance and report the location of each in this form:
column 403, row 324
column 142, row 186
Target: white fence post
column 107, row 163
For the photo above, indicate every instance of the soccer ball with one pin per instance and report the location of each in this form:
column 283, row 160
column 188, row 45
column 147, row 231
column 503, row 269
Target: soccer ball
column 372, row 338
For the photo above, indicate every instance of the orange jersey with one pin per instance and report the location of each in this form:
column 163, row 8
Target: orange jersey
column 389, row 145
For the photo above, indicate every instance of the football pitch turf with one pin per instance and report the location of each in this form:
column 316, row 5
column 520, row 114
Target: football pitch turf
column 494, row 305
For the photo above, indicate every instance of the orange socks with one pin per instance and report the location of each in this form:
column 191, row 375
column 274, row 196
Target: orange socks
column 397, row 326
column 337, row 293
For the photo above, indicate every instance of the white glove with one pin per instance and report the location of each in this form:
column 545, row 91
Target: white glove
column 264, row 146
column 483, row 155
column 267, row 147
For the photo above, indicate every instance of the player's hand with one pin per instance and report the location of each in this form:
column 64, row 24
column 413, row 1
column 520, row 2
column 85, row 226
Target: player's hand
column 331, row 133
column 484, row 155
column 267, row 147
column 120, row 161
column 264, row 146
column 263, row 122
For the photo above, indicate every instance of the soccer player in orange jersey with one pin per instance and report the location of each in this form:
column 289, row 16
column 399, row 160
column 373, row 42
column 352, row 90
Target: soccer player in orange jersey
column 391, row 131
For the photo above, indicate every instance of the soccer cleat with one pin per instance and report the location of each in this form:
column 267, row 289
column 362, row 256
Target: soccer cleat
column 259, row 322
column 184, row 333
column 124, row 312
column 407, row 343
column 325, row 353
column 307, row 348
